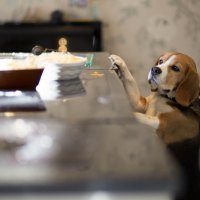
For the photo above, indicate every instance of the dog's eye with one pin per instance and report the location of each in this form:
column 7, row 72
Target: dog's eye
column 175, row 68
column 160, row 62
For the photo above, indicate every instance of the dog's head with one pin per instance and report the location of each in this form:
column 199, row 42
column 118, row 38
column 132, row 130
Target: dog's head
column 175, row 75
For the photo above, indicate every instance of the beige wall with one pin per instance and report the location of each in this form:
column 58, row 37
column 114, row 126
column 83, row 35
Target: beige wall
column 138, row 30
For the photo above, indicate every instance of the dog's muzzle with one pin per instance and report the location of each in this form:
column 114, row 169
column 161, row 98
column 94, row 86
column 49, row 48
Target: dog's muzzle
column 152, row 77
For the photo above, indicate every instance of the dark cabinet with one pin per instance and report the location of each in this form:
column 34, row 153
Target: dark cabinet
column 80, row 36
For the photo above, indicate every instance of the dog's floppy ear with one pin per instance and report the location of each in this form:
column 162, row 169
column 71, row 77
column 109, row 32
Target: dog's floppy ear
column 188, row 90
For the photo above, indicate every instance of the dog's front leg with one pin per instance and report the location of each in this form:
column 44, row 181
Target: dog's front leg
column 136, row 100
column 152, row 121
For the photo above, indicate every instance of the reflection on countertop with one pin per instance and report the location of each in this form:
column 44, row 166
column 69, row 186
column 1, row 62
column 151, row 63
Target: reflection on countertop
column 83, row 143
column 53, row 90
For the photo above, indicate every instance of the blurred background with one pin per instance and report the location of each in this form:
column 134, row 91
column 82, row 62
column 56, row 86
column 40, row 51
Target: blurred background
column 139, row 30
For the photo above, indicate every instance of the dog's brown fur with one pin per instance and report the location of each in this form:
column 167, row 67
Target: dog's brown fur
column 173, row 106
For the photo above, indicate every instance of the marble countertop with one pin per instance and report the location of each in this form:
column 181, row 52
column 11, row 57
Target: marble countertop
column 86, row 139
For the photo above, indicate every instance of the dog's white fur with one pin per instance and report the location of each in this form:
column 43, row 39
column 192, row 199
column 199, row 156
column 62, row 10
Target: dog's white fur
column 175, row 87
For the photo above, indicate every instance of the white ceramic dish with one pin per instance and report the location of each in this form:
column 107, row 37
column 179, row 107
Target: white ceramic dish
column 63, row 71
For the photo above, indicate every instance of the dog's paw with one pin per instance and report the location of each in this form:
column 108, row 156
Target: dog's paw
column 118, row 65
column 117, row 62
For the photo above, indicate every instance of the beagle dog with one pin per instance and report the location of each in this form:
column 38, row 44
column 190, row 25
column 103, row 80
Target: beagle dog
column 172, row 108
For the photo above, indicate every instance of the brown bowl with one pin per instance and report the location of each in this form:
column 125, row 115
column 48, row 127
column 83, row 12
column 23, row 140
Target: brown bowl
column 22, row 79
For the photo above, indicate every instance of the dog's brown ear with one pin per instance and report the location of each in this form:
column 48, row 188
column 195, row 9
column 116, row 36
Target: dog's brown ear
column 188, row 90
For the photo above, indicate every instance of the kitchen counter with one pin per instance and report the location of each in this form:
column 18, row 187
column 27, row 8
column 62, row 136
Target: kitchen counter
column 84, row 141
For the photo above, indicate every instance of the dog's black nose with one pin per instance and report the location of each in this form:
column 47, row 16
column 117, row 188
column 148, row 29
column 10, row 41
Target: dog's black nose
column 156, row 70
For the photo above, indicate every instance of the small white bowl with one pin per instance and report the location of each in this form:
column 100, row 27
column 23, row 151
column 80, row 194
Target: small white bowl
column 63, row 71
